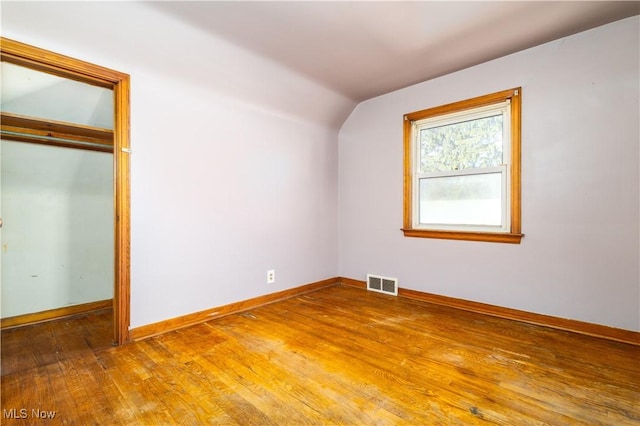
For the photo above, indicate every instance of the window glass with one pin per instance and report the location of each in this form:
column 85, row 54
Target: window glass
column 464, row 145
column 461, row 200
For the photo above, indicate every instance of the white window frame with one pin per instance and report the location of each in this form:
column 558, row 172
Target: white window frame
column 503, row 108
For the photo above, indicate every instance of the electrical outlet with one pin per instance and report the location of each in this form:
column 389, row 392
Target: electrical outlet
column 271, row 276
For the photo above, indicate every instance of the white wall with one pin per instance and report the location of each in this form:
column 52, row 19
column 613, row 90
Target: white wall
column 234, row 164
column 580, row 255
column 57, row 238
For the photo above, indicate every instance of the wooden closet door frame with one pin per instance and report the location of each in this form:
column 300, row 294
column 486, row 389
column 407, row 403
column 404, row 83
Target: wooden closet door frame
column 64, row 66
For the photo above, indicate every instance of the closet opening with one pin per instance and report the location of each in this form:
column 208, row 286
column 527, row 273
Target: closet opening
column 82, row 143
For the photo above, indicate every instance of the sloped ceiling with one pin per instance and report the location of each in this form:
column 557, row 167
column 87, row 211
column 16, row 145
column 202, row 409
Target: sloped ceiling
column 355, row 50
column 365, row 49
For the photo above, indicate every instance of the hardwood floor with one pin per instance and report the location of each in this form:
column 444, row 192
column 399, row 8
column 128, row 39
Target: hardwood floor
column 27, row 348
column 339, row 355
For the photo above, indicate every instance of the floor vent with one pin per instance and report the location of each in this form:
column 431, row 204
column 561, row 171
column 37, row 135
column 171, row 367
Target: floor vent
column 382, row 284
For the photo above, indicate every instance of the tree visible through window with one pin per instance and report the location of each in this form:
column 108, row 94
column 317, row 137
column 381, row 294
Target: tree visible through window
column 462, row 170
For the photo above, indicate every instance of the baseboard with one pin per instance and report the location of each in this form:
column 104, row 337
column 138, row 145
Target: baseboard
column 150, row 330
column 54, row 314
column 589, row 329
column 353, row 283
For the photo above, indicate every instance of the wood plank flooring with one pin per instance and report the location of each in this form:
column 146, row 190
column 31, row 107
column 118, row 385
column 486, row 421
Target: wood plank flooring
column 339, row 355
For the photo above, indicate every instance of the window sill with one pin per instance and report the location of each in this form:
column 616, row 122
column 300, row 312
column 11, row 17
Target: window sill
column 491, row 237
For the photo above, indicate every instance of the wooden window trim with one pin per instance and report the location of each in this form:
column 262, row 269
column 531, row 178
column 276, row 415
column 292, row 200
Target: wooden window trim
column 515, row 235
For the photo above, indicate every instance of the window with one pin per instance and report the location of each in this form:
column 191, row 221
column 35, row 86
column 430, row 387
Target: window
column 462, row 170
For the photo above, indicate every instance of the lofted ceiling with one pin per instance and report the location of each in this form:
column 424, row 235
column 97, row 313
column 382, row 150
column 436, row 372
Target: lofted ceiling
column 356, row 49
column 365, row 49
